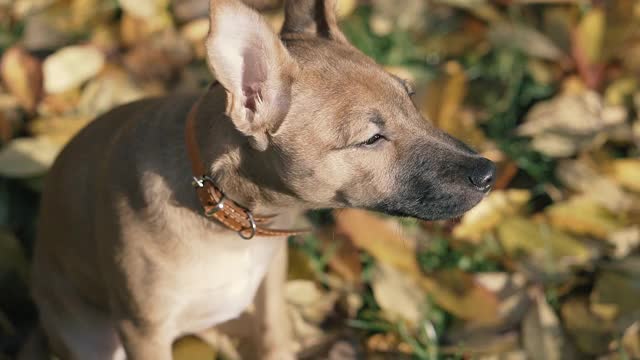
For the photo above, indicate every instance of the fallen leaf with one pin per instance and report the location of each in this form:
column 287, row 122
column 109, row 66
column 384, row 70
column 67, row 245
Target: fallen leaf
column 631, row 340
column 590, row 333
column 382, row 238
column 313, row 304
column 345, row 8
column 453, row 290
column 111, row 88
column 581, row 176
column 582, row 215
column 616, row 293
column 627, row 173
column 343, row 256
column 27, row 157
column 196, row 32
column 496, row 207
column 548, row 248
column 167, row 50
column 542, row 332
column 399, row 296
column 192, row 348
column 400, row 15
column 624, row 241
column 144, row 8
column 526, row 39
column 70, row 67
column 569, row 123
column 58, row 130
column 590, row 33
column 22, row 75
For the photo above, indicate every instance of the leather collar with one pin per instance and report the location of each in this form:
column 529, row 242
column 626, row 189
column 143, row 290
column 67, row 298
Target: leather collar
column 214, row 203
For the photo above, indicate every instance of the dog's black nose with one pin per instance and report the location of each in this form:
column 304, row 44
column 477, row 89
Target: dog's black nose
column 483, row 175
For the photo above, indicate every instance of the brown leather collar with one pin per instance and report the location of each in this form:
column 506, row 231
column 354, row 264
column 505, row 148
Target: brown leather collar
column 215, row 204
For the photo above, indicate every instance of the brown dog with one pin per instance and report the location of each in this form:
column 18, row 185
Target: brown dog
column 126, row 261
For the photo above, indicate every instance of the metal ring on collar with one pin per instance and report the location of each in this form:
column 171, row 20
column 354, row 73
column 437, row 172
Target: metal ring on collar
column 217, row 207
column 253, row 228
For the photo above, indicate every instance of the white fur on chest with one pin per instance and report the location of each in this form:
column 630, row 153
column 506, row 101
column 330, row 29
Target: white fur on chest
column 220, row 279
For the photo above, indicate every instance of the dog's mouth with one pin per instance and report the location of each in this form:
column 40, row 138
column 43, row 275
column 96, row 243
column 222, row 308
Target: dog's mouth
column 430, row 206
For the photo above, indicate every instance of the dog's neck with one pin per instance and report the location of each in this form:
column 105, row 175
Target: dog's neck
column 229, row 159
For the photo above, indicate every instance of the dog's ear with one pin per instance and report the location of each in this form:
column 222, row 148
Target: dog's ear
column 314, row 17
column 253, row 65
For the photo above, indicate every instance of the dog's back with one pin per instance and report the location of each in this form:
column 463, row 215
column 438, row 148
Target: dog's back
column 66, row 259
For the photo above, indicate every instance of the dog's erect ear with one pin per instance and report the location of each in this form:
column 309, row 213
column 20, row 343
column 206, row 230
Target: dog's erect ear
column 315, row 17
column 253, row 65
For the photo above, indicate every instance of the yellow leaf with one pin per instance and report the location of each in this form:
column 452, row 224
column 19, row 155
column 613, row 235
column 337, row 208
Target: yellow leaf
column 399, row 296
column 521, row 236
column 455, row 291
column 192, row 348
column 490, row 212
column 590, row 33
column 143, row 8
column 58, row 130
column 627, row 173
column 71, row 66
column 582, row 215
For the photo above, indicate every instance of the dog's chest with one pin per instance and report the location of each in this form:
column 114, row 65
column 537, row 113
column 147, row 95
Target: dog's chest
column 220, row 280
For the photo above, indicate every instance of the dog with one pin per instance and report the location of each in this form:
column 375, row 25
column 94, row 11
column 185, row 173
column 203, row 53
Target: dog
column 152, row 219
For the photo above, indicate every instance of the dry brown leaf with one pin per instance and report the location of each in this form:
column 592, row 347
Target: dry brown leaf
column 27, row 157
column 624, row 241
column 58, row 130
column 548, row 248
column 70, row 67
column 111, row 88
column 616, row 293
column 344, row 258
column 22, row 75
column 569, row 123
column 496, row 207
column 463, row 295
column 399, row 296
column 582, row 215
column 144, row 8
column 526, row 39
column 166, row 50
column 590, row 333
column 542, row 332
column 631, row 340
column 581, row 176
column 134, row 31
column 455, row 291
column 195, row 32
column 627, row 173
column 313, row 304
column 380, row 237
column 397, row 15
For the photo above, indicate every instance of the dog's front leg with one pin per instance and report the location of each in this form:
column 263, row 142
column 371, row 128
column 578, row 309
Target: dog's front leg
column 144, row 344
column 274, row 332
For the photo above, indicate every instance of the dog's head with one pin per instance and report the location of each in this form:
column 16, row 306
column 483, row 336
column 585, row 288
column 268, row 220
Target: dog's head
column 334, row 126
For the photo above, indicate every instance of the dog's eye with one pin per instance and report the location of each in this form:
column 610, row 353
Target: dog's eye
column 372, row 140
